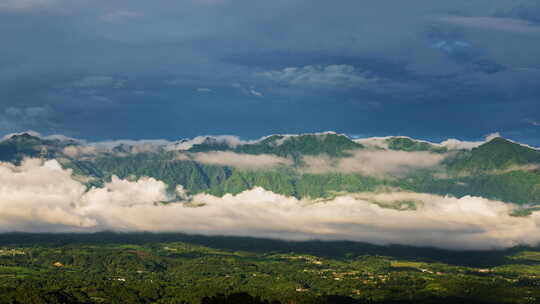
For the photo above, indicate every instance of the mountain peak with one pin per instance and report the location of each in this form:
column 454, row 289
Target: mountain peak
column 411, row 145
column 23, row 137
column 497, row 154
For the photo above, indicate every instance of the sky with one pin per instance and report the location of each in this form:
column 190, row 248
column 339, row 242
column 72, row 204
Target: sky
column 164, row 69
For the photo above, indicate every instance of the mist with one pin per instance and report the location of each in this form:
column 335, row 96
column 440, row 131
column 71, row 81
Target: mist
column 242, row 161
column 379, row 163
column 40, row 196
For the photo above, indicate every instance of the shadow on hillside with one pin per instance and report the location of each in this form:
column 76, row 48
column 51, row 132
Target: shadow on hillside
column 327, row 249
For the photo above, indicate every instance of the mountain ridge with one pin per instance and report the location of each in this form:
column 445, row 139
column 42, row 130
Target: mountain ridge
column 496, row 169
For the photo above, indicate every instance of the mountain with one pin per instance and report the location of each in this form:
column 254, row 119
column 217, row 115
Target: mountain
column 411, row 145
column 499, row 169
column 17, row 147
column 495, row 155
column 287, row 146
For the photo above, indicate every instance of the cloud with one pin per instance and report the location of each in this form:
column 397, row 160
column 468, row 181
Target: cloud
column 333, row 75
column 27, row 112
column 229, row 140
column 204, row 90
column 117, row 147
column 374, row 163
column 450, row 144
column 59, row 137
column 37, row 195
column 174, row 82
column 15, row 118
column 134, row 144
column 24, row 4
column 451, row 46
column 80, row 151
column 456, row 144
column 243, row 161
column 255, row 93
column 317, row 49
column 533, row 122
column 42, row 197
column 96, row 82
column 494, row 23
column 121, row 16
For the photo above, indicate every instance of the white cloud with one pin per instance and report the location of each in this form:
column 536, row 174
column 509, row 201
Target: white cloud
column 26, row 113
column 141, row 143
column 24, row 4
column 39, row 197
column 35, row 196
column 175, row 82
column 243, row 161
column 92, row 149
column 29, row 132
column 80, row 151
column 59, row 137
column 320, row 75
column 378, row 142
column 230, row 140
column 20, row 117
column 450, row 144
column 96, row 82
column 494, row 23
column 121, row 16
column 533, row 122
column 374, row 163
column 456, row 144
column 255, row 93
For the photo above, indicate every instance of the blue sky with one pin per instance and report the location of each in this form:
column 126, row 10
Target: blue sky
column 98, row 69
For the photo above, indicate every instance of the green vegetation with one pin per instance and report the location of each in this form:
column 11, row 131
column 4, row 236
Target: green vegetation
column 287, row 146
column 410, row 145
column 499, row 169
column 19, row 146
column 521, row 187
column 173, row 268
column 219, row 180
column 296, row 146
column 495, row 155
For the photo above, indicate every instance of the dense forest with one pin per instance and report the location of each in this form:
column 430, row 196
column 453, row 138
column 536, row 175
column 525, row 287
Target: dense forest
column 175, row 268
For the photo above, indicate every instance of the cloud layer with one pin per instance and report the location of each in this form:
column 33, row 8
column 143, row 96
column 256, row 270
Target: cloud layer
column 374, row 163
column 316, row 75
column 42, row 197
column 243, row 161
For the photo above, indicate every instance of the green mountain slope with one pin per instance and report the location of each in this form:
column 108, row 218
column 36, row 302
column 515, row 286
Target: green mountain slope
column 310, row 144
column 498, row 169
column 287, row 146
column 220, row 180
column 411, row 145
column 518, row 186
column 17, row 147
column 497, row 154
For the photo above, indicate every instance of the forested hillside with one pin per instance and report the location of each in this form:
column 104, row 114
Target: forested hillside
column 498, row 169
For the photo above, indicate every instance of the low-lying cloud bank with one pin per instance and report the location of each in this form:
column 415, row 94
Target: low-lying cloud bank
column 374, row 163
column 43, row 197
column 450, row 144
column 228, row 140
column 242, row 161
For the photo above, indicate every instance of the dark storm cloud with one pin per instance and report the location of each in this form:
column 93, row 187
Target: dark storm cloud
column 99, row 68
